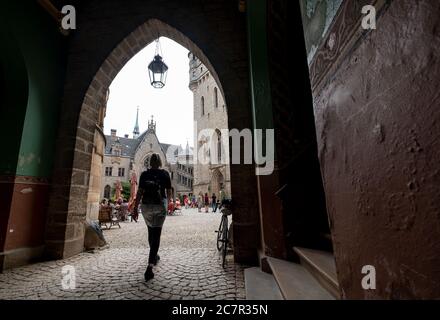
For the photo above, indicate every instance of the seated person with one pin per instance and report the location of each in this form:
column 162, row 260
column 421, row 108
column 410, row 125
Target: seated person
column 103, row 204
column 123, row 210
column 177, row 204
column 171, row 207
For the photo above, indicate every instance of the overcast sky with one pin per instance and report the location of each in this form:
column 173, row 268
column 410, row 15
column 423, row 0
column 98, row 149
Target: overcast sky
column 171, row 106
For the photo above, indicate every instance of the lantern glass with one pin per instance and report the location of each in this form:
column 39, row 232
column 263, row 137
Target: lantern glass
column 157, row 70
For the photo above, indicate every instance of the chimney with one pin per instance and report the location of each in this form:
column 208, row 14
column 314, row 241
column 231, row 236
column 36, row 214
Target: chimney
column 113, row 132
column 125, row 135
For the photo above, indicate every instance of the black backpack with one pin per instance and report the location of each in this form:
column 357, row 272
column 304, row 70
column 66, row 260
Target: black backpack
column 152, row 194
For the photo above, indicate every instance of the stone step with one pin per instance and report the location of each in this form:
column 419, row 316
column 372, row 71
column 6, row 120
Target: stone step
column 260, row 285
column 296, row 282
column 322, row 266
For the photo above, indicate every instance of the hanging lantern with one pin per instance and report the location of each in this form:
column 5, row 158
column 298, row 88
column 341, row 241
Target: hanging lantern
column 157, row 69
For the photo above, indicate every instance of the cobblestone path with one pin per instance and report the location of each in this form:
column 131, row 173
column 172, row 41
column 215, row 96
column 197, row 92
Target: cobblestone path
column 190, row 266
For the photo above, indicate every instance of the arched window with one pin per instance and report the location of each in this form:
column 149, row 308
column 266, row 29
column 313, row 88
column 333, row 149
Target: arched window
column 219, row 146
column 147, row 162
column 202, row 104
column 107, row 191
column 215, row 98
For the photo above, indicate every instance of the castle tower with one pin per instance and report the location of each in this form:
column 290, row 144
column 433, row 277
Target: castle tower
column 136, row 126
column 209, row 113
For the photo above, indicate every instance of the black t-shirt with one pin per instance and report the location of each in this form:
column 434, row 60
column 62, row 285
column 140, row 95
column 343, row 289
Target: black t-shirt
column 161, row 175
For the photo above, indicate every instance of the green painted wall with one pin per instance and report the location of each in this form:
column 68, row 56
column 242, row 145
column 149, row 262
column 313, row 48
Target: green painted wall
column 259, row 69
column 317, row 15
column 33, row 65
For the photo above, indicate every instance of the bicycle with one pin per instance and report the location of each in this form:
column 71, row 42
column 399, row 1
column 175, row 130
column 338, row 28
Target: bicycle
column 223, row 232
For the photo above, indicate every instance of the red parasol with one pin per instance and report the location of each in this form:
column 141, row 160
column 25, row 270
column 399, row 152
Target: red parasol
column 133, row 190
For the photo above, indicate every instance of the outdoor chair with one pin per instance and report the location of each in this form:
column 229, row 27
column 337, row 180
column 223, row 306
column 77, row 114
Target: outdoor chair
column 123, row 213
column 106, row 216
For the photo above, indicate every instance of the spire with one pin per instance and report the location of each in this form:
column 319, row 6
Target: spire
column 136, row 126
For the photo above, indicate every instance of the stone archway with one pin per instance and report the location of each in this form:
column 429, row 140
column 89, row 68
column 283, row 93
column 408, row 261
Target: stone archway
column 92, row 65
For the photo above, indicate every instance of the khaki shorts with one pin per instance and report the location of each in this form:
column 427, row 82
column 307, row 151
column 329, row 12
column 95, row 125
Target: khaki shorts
column 154, row 214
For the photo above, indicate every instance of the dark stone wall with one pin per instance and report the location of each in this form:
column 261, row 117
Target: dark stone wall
column 376, row 104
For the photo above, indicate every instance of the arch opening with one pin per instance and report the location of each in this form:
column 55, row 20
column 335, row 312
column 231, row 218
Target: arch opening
column 72, row 176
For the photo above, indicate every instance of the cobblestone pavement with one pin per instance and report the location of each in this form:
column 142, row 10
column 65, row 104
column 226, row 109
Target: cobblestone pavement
column 190, row 266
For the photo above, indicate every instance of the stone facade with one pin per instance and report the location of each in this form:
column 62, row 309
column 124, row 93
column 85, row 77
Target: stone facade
column 124, row 155
column 94, row 193
column 210, row 112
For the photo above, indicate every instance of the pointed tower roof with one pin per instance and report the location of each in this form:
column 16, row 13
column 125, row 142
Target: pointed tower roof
column 136, row 126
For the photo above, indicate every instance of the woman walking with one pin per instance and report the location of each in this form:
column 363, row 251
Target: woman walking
column 154, row 189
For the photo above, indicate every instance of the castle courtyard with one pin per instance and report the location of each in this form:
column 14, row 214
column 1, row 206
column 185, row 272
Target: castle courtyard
column 189, row 268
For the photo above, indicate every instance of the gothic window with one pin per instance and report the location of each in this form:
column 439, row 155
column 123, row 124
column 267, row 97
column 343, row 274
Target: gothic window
column 121, row 172
column 108, row 171
column 202, row 103
column 147, row 162
column 215, row 98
